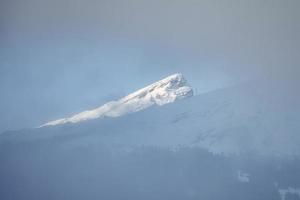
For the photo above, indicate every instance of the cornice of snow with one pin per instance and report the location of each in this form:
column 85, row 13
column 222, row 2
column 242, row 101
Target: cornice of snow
column 162, row 92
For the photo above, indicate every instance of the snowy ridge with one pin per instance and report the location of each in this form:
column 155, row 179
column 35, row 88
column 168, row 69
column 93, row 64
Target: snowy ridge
column 165, row 91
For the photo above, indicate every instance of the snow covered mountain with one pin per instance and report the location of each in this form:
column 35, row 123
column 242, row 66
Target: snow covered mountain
column 240, row 142
column 234, row 120
column 240, row 119
column 165, row 91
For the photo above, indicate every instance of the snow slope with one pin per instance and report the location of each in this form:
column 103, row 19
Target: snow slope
column 165, row 91
column 174, row 151
column 256, row 117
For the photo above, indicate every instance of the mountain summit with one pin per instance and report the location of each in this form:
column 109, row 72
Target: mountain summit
column 165, row 91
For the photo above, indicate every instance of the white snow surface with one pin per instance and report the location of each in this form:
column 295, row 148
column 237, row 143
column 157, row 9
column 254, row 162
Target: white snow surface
column 243, row 177
column 162, row 92
column 289, row 190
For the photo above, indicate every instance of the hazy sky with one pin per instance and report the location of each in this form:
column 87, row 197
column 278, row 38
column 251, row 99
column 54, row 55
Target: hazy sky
column 59, row 57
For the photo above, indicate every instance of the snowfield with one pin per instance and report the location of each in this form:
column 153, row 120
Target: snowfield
column 165, row 91
column 240, row 142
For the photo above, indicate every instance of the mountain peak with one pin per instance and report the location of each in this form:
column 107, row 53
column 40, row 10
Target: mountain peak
column 165, row 91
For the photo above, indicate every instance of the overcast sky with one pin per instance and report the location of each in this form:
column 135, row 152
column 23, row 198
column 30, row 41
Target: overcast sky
column 59, row 57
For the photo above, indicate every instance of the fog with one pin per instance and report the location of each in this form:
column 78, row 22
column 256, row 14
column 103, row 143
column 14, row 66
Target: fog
column 147, row 173
column 61, row 57
column 237, row 138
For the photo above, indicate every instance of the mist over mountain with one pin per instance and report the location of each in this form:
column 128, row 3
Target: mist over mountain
column 149, row 100
column 240, row 142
